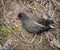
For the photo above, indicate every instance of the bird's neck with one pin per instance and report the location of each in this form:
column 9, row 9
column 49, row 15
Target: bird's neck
column 24, row 20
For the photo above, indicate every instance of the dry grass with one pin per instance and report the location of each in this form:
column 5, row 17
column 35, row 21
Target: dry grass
column 20, row 37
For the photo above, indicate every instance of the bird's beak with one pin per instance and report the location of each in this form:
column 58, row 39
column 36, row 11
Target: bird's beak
column 16, row 17
column 52, row 26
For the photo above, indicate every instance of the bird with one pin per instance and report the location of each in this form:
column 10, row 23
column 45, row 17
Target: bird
column 32, row 26
column 45, row 22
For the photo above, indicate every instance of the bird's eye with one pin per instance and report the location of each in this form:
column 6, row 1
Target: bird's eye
column 19, row 15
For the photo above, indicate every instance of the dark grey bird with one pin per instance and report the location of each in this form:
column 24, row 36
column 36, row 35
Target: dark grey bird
column 45, row 22
column 33, row 26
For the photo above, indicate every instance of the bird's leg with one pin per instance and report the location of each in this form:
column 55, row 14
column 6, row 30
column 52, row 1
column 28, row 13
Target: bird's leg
column 34, row 38
column 40, row 38
column 40, row 41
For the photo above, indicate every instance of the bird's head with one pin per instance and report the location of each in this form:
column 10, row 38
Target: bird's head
column 22, row 16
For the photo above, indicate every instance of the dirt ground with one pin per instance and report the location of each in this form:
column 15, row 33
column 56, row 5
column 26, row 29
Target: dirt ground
column 19, row 38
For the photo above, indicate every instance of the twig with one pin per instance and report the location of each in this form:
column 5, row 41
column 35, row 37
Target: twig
column 0, row 47
column 24, row 37
column 56, row 4
column 7, row 45
column 3, row 7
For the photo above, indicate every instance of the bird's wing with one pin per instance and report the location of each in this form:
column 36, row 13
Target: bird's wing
column 45, row 22
column 34, row 26
column 39, row 24
column 39, row 27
